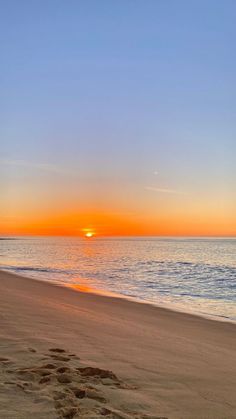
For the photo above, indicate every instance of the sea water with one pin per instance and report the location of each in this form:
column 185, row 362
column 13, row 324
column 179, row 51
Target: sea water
column 189, row 274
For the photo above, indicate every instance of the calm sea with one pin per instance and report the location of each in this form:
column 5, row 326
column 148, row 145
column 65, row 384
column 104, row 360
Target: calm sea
column 189, row 274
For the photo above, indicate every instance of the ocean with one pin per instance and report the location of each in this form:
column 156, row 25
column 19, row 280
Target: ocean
column 195, row 275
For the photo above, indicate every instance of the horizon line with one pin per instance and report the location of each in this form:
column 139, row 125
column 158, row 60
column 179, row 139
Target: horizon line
column 119, row 235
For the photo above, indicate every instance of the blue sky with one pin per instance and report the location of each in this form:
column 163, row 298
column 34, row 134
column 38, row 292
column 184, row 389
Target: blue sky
column 127, row 94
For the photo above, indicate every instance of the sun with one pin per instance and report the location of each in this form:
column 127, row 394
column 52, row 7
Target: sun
column 89, row 234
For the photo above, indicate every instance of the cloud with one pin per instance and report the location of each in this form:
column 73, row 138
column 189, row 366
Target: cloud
column 38, row 166
column 163, row 190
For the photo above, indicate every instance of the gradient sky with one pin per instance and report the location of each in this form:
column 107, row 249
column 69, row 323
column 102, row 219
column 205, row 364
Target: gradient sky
column 118, row 116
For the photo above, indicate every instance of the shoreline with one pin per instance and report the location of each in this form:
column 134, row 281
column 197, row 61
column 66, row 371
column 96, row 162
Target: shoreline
column 171, row 364
column 110, row 294
column 165, row 306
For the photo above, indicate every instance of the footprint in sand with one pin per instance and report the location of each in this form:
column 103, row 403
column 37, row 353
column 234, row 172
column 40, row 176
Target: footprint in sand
column 4, row 359
column 49, row 366
column 45, row 380
column 62, row 351
column 32, row 350
column 64, row 379
column 76, row 391
column 96, row 372
column 58, row 350
column 63, row 369
column 68, row 413
column 60, row 358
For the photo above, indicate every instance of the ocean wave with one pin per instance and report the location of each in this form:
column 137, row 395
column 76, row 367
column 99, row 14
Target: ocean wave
column 34, row 269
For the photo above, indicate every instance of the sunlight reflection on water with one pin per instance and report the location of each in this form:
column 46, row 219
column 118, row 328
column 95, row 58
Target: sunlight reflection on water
column 191, row 274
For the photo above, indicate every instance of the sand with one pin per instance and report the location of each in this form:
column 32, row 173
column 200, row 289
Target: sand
column 66, row 354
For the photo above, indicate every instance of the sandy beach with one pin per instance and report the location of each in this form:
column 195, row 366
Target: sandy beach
column 66, row 354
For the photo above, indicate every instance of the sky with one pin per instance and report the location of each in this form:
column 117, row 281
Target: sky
column 118, row 117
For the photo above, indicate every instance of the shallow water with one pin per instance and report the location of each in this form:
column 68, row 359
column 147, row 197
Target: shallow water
column 190, row 274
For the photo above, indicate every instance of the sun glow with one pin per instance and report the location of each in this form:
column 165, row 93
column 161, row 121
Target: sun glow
column 89, row 234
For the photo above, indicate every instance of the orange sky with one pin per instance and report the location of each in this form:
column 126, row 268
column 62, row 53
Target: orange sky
column 118, row 224
column 67, row 205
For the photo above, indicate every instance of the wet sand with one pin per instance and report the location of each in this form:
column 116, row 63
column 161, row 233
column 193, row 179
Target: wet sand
column 66, row 354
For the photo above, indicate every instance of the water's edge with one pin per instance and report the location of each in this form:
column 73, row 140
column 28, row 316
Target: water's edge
column 108, row 294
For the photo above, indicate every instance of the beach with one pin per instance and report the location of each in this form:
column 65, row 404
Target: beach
column 65, row 354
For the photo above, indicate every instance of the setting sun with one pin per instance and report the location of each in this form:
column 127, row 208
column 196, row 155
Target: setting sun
column 89, row 234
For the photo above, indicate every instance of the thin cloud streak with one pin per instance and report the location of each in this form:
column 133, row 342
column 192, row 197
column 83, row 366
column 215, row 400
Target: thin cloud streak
column 38, row 166
column 164, row 190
